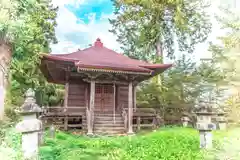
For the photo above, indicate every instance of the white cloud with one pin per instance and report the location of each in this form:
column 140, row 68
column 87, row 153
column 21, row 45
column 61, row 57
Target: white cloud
column 69, row 24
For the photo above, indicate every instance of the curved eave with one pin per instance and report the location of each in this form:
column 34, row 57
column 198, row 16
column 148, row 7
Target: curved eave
column 59, row 58
column 160, row 68
column 46, row 73
column 45, row 70
column 157, row 66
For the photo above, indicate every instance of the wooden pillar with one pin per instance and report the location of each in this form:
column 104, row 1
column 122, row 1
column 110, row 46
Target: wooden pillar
column 114, row 102
column 116, row 97
column 134, row 98
column 91, row 108
column 130, row 108
column 86, row 95
column 66, row 105
column 86, row 98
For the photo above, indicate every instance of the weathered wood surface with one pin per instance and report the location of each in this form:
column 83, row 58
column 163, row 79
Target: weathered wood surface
column 76, row 95
column 144, row 118
column 62, row 111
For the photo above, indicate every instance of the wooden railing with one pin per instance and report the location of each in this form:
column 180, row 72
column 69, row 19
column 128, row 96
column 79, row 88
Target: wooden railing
column 146, row 118
column 142, row 118
column 69, row 117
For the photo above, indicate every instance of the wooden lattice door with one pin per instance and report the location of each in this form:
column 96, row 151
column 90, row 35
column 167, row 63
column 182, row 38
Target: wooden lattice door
column 104, row 97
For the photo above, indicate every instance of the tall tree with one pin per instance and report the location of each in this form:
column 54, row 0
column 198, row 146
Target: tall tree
column 147, row 29
column 228, row 51
column 13, row 16
column 25, row 64
column 29, row 29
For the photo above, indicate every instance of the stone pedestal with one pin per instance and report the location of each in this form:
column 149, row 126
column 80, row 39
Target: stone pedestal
column 30, row 137
column 30, row 127
column 205, row 127
column 222, row 125
column 205, row 139
column 221, row 121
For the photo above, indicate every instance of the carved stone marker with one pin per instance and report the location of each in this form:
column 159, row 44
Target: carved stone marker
column 185, row 121
column 205, row 127
column 30, row 126
column 52, row 131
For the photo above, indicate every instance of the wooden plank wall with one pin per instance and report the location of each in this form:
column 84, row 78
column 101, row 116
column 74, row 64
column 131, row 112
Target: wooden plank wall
column 76, row 96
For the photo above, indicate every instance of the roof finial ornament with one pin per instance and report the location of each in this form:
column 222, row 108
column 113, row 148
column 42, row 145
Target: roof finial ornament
column 98, row 43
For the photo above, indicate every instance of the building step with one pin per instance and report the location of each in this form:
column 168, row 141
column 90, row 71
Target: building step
column 108, row 118
column 108, row 125
column 105, row 130
column 107, row 115
column 109, row 132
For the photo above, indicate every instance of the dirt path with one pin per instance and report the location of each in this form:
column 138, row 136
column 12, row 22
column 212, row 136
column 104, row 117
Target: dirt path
column 230, row 146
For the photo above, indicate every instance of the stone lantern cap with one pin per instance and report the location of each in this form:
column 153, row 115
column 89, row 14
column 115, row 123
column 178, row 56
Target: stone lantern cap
column 221, row 113
column 204, row 111
column 29, row 106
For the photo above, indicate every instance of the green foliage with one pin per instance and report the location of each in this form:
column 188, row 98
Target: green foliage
column 167, row 144
column 34, row 39
column 182, row 84
column 14, row 15
column 10, row 144
column 149, row 28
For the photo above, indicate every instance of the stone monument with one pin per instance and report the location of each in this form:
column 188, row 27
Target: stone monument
column 185, row 120
column 30, row 126
column 205, row 127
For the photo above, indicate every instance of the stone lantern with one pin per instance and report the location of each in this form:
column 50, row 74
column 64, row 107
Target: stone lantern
column 205, row 127
column 185, row 120
column 221, row 121
column 30, row 126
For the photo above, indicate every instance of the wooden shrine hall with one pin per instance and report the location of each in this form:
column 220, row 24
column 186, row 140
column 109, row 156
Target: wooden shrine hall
column 100, row 88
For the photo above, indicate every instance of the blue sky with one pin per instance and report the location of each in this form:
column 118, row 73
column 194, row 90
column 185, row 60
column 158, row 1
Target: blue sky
column 96, row 7
column 80, row 22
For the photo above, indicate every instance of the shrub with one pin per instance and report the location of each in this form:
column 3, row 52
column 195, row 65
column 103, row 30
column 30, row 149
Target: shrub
column 165, row 144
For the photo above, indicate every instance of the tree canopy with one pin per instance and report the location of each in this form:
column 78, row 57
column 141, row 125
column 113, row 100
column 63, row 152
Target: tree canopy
column 28, row 38
column 146, row 29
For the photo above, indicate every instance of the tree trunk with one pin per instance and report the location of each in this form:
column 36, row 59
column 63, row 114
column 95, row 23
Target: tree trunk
column 5, row 58
column 159, row 59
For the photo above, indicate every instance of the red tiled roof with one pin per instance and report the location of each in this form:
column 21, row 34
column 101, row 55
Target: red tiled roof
column 101, row 57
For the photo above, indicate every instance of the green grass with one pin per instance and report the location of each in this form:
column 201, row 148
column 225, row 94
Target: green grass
column 165, row 144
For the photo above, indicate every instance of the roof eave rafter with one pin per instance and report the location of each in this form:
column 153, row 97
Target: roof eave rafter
column 79, row 69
